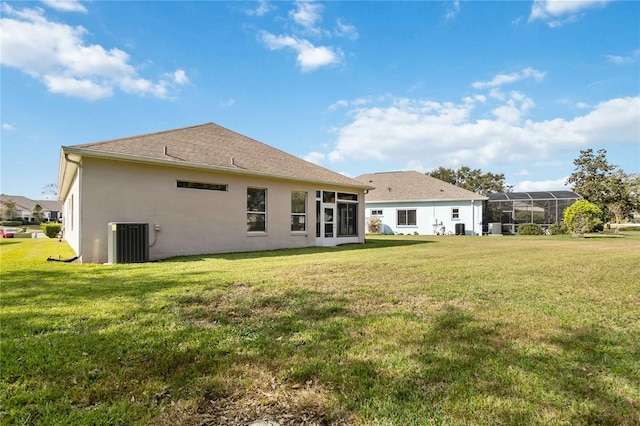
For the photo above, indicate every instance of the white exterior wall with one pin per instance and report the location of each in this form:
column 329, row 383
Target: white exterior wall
column 428, row 214
column 191, row 221
column 71, row 215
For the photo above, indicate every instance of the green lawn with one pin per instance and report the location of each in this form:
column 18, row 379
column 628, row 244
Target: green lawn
column 403, row 330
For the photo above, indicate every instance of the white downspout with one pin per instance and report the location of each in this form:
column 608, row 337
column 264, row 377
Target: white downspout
column 473, row 218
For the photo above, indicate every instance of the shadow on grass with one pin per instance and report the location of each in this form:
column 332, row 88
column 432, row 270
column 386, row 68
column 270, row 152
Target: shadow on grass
column 473, row 365
column 78, row 368
column 80, row 284
column 205, row 347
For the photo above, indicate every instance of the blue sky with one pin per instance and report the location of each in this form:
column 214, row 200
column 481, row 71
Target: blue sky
column 515, row 87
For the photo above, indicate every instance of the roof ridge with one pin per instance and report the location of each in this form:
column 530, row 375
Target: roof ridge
column 392, row 171
column 411, row 185
column 212, row 145
column 98, row 143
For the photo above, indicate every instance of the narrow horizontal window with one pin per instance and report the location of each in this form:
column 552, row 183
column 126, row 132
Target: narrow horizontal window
column 376, row 212
column 200, row 185
column 347, row 197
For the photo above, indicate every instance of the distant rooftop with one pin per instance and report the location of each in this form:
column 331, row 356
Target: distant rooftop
column 412, row 186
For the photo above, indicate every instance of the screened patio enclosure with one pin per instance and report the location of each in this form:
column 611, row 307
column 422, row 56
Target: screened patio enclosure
column 513, row 208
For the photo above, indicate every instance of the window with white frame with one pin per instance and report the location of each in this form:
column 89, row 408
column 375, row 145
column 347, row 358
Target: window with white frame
column 298, row 211
column 455, row 213
column 256, row 210
column 407, row 217
column 376, row 212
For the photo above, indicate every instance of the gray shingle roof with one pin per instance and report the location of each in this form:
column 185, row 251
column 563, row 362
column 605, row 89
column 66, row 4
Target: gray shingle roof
column 27, row 204
column 412, row 186
column 213, row 146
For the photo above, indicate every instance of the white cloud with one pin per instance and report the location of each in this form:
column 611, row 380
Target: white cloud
column 427, row 134
column 559, row 12
column 263, row 7
column 629, row 59
column 615, row 120
column 226, row 104
column 180, row 77
column 346, row 30
column 358, row 102
column 502, row 79
column 541, row 185
column 7, row 126
column 314, row 157
column 307, row 14
column 453, row 10
column 71, row 86
column 513, row 110
column 306, row 17
column 57, row 55
column 65, row 5
column 342, row 103
column 309, row 57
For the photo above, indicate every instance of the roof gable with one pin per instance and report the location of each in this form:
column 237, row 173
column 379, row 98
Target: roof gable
column 413, row 186
column 212, row 146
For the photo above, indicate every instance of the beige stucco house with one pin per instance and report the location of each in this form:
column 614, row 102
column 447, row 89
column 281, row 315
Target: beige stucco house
column 203, row 189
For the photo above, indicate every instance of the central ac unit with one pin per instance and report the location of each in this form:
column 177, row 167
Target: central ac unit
column 128, row 242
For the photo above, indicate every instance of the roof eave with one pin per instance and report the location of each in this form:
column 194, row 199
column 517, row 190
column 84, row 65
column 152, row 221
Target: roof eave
column 428, row 200
column 66, row 172
column 170, row 163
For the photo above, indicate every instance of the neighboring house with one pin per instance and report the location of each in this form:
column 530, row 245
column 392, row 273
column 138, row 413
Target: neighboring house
column 51, row 209
column 412, row 202
column 204, row 189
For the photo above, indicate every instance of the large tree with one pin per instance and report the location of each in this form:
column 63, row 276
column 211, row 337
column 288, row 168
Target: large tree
column 603, row 184
column 37, row 213
column 472, row 179
column 50, row 190
column 9, row 209
column 632, row 182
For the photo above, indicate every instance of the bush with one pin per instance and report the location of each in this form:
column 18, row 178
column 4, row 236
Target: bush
column 530, row 229
column 582, row 217
column 374, row 224
column 558, row 228
column 11, row 223
column 51, row 230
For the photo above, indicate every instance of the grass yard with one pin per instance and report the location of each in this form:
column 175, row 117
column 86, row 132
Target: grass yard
column 404, row 330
